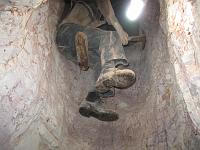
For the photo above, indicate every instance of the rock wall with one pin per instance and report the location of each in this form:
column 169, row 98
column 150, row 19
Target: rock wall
column 41, row 90
column 27, row 68
column 183, row 40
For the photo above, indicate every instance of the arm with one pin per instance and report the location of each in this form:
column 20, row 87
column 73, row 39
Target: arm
column 106, row 9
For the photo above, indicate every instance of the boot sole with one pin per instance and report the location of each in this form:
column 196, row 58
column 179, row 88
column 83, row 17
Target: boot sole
column 102, row 116
column 121, row 80
column 81, row 44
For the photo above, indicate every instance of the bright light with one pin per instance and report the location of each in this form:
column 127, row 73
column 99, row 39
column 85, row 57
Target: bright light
column 135, row 9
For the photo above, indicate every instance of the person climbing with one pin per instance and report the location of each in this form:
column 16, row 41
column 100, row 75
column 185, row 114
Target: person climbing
column 81, row 39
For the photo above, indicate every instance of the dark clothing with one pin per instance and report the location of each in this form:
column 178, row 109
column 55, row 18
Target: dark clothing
column 105, row 49
column 91, row 6
column 104, row 46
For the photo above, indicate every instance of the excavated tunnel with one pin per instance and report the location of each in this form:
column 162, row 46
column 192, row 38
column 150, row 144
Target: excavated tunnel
column 40, row 90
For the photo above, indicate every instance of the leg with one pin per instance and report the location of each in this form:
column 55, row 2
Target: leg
column 111, row 49
column 66, row 42
column 65, row 39
column 111, row 76
column 113, row 56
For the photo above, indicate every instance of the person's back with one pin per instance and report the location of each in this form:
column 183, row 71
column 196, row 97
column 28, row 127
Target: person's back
column 84, row 13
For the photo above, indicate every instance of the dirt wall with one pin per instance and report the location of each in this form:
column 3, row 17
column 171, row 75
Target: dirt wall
column 40, row 90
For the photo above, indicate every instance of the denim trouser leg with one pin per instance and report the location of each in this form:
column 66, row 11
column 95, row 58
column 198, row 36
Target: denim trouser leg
column 104, row 47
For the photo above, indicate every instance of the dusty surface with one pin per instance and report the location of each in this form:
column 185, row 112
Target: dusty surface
column 41, row 90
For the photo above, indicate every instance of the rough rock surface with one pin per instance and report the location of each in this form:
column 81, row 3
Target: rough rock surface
column 40, row 90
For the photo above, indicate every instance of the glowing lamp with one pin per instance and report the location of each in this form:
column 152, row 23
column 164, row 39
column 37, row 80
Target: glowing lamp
column 135, row 9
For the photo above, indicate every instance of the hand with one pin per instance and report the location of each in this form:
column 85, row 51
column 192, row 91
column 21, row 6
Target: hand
column 123, row 37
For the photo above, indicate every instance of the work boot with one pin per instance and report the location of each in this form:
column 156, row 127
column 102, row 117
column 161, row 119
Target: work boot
column 115, row 77
column 92, row 107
